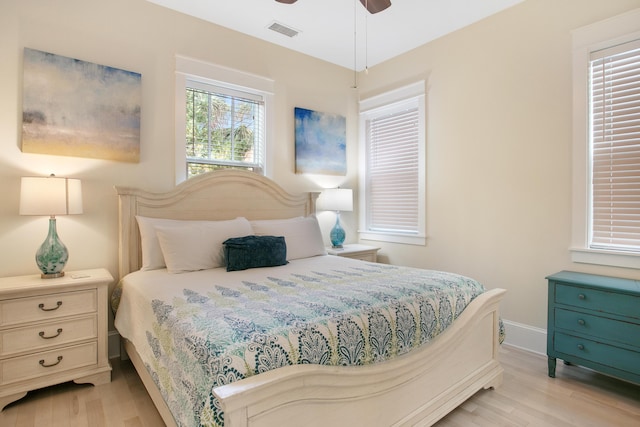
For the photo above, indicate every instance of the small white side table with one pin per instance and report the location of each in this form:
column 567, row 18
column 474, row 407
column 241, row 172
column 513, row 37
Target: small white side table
column 356, row 251
column 53, row 331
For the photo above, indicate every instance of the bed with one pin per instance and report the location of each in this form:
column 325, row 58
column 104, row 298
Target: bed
column 167, row 315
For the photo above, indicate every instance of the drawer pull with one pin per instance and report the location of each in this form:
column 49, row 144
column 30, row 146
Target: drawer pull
column 581, row 296
column 581, row 322
column 53, row 364
column 580, row 347
column 52, row 336
column 41, row 306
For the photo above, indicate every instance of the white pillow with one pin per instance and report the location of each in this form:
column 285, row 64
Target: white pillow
column 302, row 235
column 152, row 258
column 152, row 255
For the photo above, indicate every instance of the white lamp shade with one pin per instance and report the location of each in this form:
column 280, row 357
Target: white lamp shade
column 337, row 199
column 50, row 196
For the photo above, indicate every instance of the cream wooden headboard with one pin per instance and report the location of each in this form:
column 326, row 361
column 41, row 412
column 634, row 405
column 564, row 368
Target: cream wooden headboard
column 219, row 195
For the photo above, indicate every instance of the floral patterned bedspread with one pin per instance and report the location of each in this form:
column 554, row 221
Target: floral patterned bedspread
column 199, row 330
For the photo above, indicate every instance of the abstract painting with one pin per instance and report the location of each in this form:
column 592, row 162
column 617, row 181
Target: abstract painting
column 321, row 146
column 76, row 108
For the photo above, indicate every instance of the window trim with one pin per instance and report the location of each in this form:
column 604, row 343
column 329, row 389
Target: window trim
column 415, row 90
column 189, row 69
column 601, row 35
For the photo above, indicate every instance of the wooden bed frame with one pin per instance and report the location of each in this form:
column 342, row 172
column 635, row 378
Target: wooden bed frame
column 417, row 388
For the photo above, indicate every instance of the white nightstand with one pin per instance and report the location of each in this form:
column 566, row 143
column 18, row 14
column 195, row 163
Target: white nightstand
column 53, row 331
column 356, row 251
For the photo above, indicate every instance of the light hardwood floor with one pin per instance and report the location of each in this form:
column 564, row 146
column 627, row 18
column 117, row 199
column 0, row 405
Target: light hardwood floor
column 577, row 397
column 527, row 397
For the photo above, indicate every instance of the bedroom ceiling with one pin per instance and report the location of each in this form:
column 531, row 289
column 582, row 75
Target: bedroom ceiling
column 332, row 30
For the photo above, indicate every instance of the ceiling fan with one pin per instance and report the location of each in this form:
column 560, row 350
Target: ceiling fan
column 373, row 6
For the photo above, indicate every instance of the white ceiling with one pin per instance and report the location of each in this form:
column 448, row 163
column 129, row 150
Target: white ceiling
column 342, row 31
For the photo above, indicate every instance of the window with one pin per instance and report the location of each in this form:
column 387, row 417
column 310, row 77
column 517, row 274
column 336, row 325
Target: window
column 606, row 199
column 224, row 129
column 392, row 164
column 615, row 148
column 222, row 119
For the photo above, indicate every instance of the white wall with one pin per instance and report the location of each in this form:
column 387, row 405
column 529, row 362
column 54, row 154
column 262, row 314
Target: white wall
column 138, row 36
column 499, row 149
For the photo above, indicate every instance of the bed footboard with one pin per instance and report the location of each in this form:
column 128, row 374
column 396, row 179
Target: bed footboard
column 418, row 388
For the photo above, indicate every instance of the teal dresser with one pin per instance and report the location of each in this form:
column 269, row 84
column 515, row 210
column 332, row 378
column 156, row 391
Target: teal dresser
column 594, row 321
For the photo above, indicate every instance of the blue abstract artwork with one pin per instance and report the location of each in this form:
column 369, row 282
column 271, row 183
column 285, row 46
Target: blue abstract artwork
column 81, row 109
column 321, row 146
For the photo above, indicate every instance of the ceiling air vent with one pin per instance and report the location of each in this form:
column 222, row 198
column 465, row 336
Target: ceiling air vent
column 283, row 29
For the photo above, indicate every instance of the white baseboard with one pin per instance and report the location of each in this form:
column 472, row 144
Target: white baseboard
column 525, row 337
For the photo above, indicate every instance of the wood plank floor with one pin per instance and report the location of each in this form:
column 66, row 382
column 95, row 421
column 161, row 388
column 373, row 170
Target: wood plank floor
column 527, row 397
column 577, row 397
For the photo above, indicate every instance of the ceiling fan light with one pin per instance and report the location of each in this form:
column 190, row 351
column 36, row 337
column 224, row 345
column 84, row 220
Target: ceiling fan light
column 375, row 6
column 286, row 1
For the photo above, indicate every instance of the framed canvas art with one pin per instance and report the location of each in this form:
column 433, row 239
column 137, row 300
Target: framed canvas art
column 320, row 140
column 76, row 108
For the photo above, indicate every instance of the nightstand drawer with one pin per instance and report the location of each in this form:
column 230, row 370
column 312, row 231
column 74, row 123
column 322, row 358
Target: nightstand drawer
column 621, row 359
column 46, row 335
column 370, row 257
column 600, row 327
column 48, row 362
column 608, row 302
column 45, row 307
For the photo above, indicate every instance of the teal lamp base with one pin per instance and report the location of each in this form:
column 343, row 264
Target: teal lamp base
column 52, row 255
column 337, row 234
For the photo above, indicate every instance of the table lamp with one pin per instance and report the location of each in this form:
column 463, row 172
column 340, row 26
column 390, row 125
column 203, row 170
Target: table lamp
column 51, row 196
column 337, row 199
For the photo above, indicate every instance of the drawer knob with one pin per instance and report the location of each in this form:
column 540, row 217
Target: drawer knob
column 52, row 336
column 581, row 322
column 580, row 347
column 41, row 306
column 52, row 364
column 581, row 296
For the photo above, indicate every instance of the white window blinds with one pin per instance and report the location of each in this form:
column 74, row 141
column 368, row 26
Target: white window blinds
column 615, row 148
column 392, row 163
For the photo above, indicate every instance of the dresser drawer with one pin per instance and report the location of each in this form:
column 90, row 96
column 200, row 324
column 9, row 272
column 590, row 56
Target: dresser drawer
column 619, row 358
column 45, row 307
column 592, row 299
column 46, row 335
column 599, row 327
column 48, row 362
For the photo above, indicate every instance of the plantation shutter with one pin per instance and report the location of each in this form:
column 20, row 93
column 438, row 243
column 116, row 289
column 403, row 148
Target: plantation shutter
column 615, row 148
column 393, row 169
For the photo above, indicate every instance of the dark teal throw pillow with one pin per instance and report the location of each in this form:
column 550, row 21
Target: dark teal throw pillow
column 246, row 252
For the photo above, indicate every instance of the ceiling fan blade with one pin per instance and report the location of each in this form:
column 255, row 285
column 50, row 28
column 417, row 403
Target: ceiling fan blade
column 375, row 6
